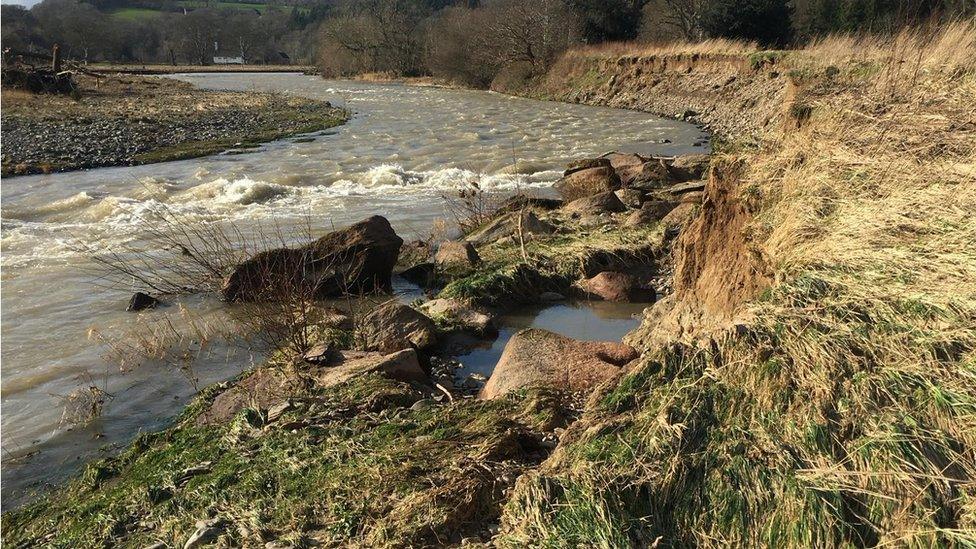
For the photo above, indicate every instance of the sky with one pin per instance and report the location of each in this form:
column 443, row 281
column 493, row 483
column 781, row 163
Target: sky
column 27, row 3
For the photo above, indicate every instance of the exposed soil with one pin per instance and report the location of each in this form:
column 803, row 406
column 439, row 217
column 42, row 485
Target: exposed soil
column 127, row 120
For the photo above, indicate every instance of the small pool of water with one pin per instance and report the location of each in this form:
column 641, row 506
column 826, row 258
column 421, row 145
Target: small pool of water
column 585, row 320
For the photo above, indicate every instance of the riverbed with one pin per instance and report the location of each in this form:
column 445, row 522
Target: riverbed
column 403, row 149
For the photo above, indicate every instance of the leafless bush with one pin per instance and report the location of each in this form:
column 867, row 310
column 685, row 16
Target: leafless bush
column 83, row 404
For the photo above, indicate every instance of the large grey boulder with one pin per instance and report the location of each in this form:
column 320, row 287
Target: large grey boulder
column 358, row 259
column 394, row 326
column 596, row 204
column 587, row 183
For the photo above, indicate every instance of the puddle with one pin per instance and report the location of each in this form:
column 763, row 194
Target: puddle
column 585, row 320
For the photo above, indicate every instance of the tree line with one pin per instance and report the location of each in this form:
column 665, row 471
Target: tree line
column 469, row 41
column 88, row 31
column 474, row 42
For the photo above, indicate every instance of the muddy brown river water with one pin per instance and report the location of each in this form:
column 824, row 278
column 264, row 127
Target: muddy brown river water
column 402, row 149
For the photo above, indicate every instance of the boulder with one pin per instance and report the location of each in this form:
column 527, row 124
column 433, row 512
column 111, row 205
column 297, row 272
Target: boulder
column 687, row 187
column 689, row 166
column 459, row 315
column 535, row 357
column 141, row 301
column 649, row 175
column 598, row 203
column 508, row 225
column 394, row 326
column 694, row 197
column 614, row 286
column 400, row 366
column 413, row 253
column 620, row 160
column 357, row 259
column 453, row 254
column 587, row 163
column 650, row 212
column 587, row 183
column 521, row 202
column 632, row 198
column 268, row 387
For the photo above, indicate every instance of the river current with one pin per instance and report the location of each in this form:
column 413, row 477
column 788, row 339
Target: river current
column 403, row 148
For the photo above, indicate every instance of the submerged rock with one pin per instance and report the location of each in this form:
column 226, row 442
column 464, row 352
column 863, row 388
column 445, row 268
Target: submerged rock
column 587, row 183
column 141, row 301
column 621, row 287
column 535, row 357
column 357, row 259
column 394, row 326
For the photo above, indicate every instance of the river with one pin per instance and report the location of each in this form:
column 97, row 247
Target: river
column 402, row 149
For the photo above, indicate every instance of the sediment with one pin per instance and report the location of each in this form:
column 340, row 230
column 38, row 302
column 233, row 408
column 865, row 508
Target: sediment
column 120, row 120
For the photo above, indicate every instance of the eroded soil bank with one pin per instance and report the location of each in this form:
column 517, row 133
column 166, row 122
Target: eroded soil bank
column 117, row 120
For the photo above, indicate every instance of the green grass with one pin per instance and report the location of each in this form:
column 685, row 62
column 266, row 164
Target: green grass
column 135, row 14
column 368, row 468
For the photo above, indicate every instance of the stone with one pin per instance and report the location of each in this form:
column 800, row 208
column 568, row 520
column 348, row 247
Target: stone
column 207, row 531
column 687, row 167
column 615, row 286
column 413, row 253
column 596, row 204
column 394, row 326
column 587, row 182
column 632, row 198
column 694, row 197
column 277, row 410
column 620, row 160
column 651, row 211
column 508, row 225
column 459, row 315
column 399, row 366
column 322, row 353
column 652, row 174
column 587, row 163
column 539, row 358
column 687, row 187
column 141, row 301
column 354, row 260
column 453, row 255
column 521, row 202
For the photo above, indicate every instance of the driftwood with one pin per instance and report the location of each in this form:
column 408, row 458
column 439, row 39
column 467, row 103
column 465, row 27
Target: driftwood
column 23, row 75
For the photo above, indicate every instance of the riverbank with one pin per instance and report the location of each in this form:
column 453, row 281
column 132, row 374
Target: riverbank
column 804, row 380
column 118, row 120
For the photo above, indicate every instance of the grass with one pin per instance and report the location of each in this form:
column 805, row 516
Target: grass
column 556, row 262
column 844, row 412
column 365, row 467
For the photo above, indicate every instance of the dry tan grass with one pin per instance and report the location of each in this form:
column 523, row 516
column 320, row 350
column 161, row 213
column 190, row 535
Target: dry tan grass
column 715, row 46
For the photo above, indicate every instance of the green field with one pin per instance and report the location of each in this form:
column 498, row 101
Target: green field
column 137, row 13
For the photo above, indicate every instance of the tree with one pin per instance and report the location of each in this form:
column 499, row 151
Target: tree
column 606, row 20
column 764, row 21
